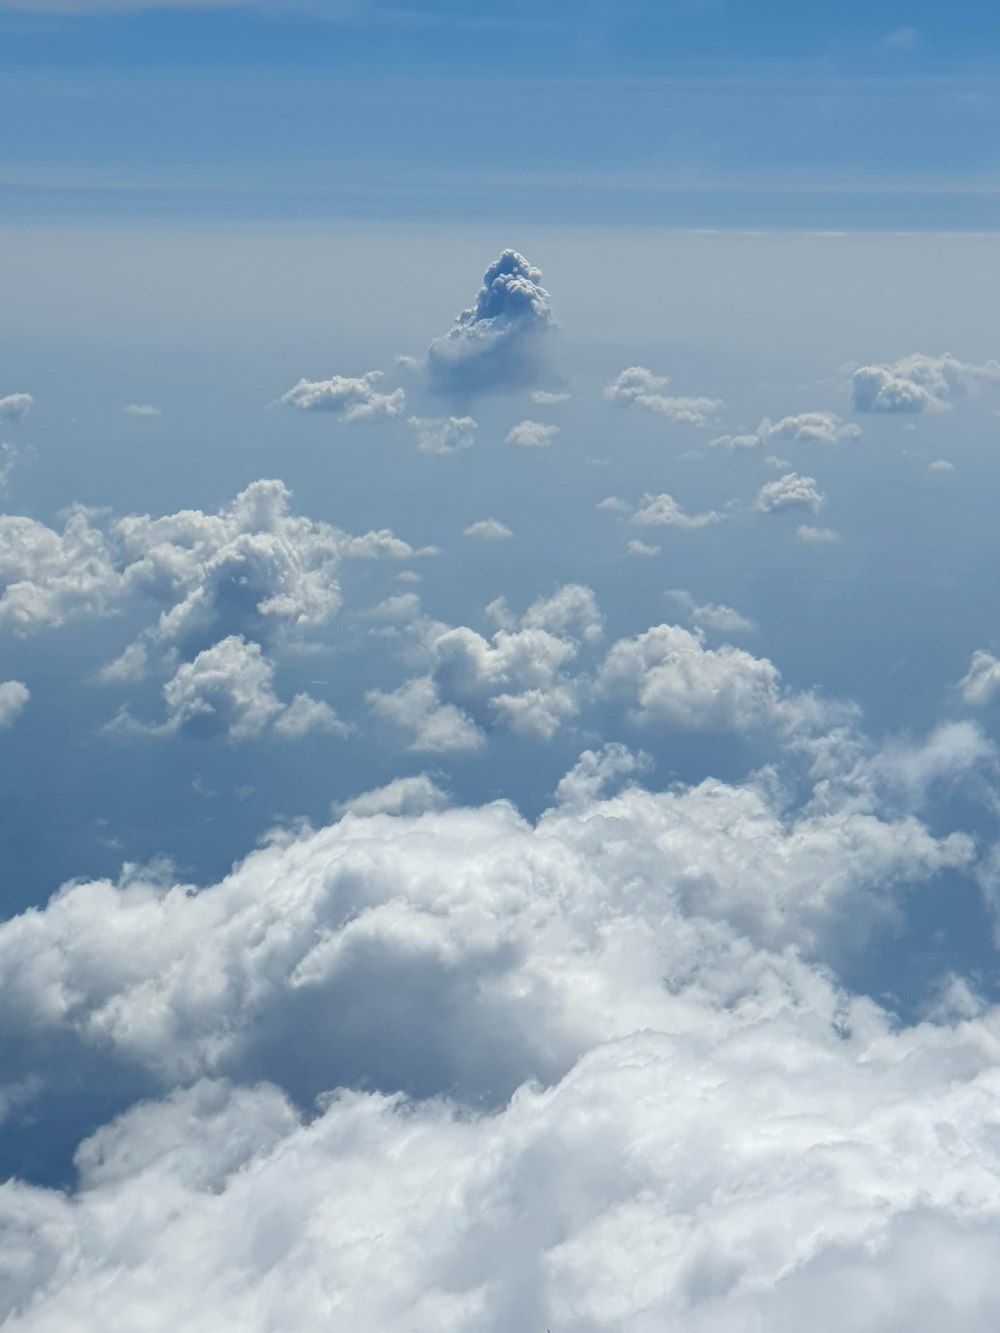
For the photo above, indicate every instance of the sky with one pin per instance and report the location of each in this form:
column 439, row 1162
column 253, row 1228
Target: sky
column 499, row 667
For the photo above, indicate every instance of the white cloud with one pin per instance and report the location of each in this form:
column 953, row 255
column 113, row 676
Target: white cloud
column 981, row 683
column 141, row 410
column 353, row 399
column 640, row 386
column 14, row 405
column 710, row 615
column 664, row 511
column 402, row 796
column 532, row 434
column 498, row 343
column 805, row 428
column 807, row 533
column 918, row 383
column 940, row 465
column 443, row 435
column 14, row 696
column 488, row 529
column 547, row 398
column 792, row 491
column 641, row 548
column 436, row 727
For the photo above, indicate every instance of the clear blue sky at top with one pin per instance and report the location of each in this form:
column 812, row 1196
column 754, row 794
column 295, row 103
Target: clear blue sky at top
column 688, row 113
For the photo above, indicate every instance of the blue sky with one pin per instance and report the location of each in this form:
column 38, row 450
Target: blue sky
column 499, row 667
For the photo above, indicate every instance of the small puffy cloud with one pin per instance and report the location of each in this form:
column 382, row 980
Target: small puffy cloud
column 663, row 511
column 532, row 434
column 639, row 386
column 498, row 343
column 918, row 383
column 13, row 406
column 443, row 435
column 981, row 683
column 402, row 796
column 641, row 548
column 489, row 530
column 792, row 491
column 940, row 465
column 229, row 690
column 141, row 410
column 14, row 696
column 805, row 428
column 614, row 504
column 436, row 727
column 353, row 399
column 710, row 615
column 807, row 533
column 548, row 398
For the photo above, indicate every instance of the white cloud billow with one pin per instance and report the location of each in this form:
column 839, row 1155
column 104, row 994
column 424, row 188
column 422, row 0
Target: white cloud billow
column 918, row 383
column 352, row 399
column 792, row 491
column 663, row 511
column 14, row 696
column 13, row 406
column 805, row 428
column 617, row 1022
column 488, row 530
column 498, row 343
column 710, row 615
column 981, row 683
column 443, row 435
column 532, row 434
column 639, row 386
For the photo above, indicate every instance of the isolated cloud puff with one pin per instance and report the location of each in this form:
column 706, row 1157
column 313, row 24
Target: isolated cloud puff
column 488, row 529
column 13, row 406
column 14, row 696
column 532, row 434
column 443, row 435
column 141, row 410
column 710, row 615
column 792, row 491
column 352, row 399
column 640, row 386
column 805, row 428
column 499, row 342
column 981, row 683
column 918, row 383
column 618, row 1022
column 663, row 511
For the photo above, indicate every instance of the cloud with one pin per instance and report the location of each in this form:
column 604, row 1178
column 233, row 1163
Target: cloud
column 498, row 343
column 981, row 683
column 548, row 398
column 805, row 428
column 710, row 615
column 641, row 548
column 467, row 1071
column 792, row 491
column 532, row 434
column 918, row 383
column 488, row 529
column 14, row 406
column 940, row 465
column 807, row 533
column 356, row 399
column 14, row 696
column 435, row 727
column 443, row 435
column 141, row 410
column 664, row 511
column 639, row 386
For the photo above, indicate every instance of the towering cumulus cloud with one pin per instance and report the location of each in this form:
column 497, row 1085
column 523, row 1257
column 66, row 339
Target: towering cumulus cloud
column 498, row 343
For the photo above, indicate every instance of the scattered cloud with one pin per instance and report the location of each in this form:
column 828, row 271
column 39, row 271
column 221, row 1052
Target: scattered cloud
column 792, row 491
column 499, row 342
column 940, row 465
column 918, row 383
column 14, row 696
column 532, row 434
column 14, row 406
column 352, row 399
column 641, row 548
column 981, row 683
column 663, row 511
column 710, row 615
column 488, row 529
column 141, row 410
column 807, row 533
column 639, row 386
column 443, row 435
column 548, row 398
column 805, row 428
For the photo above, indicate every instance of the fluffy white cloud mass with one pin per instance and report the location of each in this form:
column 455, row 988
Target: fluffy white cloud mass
column 497, row 343
column 640, row 386
column 663, row 511
column 353, row 399
column 532, row 434
column 805, row 428
column 791, row 491
column 489, row 530
column 710, row 615
column 14, row 695
column 443, row 435
column 918, row 383
column 981, row 683
column 452, row 1070
column 13, row 406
